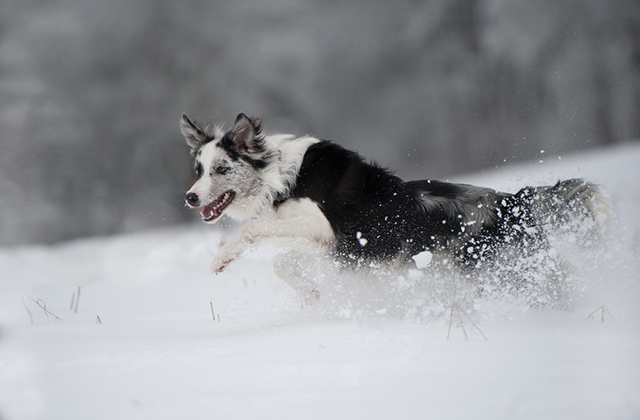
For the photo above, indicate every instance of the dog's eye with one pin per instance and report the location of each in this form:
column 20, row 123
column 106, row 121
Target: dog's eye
column 221, row 170
column 198, row 170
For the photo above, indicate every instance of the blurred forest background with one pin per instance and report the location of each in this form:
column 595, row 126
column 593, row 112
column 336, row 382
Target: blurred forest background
column 91, row 92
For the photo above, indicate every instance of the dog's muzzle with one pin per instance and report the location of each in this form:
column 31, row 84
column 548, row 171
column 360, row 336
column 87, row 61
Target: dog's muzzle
column 214, row 209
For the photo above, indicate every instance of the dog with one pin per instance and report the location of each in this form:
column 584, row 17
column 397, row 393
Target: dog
column 305, row 192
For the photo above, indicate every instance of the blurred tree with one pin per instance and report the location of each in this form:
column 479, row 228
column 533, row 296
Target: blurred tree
column 91, row 91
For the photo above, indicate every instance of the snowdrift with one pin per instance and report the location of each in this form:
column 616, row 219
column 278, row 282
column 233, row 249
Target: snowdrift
column 135, row 326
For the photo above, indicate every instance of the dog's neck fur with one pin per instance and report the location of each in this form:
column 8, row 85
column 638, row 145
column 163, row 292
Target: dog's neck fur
column 279, row 175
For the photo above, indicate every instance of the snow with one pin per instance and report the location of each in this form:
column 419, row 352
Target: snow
column 144, row 343
column 422, row 259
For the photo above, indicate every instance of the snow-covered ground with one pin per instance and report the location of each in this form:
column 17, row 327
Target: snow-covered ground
column 143, row 342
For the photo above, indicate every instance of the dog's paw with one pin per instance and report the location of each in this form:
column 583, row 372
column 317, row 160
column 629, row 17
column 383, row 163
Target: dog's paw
column 227, row 253
column 219, row 264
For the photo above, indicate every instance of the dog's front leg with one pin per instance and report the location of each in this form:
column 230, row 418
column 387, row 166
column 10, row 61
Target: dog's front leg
column 297, row 223
column 253, row 232
column 256, row 232
column 233, row 249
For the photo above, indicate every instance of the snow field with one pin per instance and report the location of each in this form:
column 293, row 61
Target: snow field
column 144, row 344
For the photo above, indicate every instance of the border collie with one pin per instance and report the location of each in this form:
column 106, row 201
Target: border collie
column 307, row 192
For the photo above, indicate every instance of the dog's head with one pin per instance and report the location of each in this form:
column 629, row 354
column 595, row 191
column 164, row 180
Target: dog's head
column 228, row 167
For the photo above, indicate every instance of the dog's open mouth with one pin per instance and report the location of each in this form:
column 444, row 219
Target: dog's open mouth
column 213, row 210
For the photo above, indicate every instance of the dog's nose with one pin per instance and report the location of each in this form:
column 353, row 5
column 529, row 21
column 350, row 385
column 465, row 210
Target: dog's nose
column 192, row 199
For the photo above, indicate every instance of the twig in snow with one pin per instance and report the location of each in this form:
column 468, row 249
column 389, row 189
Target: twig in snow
column 464, row 331
column 98, row 320
column 453, row 305
column 603, row 309
column 460, row 312
column 27, row 309
column 213, row 314
column 473, row 324
column 77, row 301
column 42, row 305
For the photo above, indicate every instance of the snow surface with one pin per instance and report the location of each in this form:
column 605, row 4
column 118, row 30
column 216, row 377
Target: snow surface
column 143, row 342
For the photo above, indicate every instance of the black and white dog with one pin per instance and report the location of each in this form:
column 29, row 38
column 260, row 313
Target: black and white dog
column 306, row 192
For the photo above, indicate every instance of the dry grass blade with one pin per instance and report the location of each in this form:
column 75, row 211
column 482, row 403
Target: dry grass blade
column 453, row 306
column 464, row 331
column 603, row 309
column 456, row 308
column 42, row 306
column 213, row 314
column 474, row 326
column 77, row 301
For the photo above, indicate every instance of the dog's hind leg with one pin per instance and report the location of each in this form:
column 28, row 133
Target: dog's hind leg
column 300, row 270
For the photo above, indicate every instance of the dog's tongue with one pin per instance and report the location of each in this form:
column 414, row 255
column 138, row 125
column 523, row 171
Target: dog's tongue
column 214, row 209
column 210, row 209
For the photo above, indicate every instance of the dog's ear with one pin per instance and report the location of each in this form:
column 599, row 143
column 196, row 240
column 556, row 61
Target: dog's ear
column 194, row 135
column 246, row 134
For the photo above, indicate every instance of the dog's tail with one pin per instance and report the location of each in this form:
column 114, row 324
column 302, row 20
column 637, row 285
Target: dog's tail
column 572, row 205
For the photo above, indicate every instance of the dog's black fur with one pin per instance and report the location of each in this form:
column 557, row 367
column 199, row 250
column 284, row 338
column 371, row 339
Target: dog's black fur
column 363, row 200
